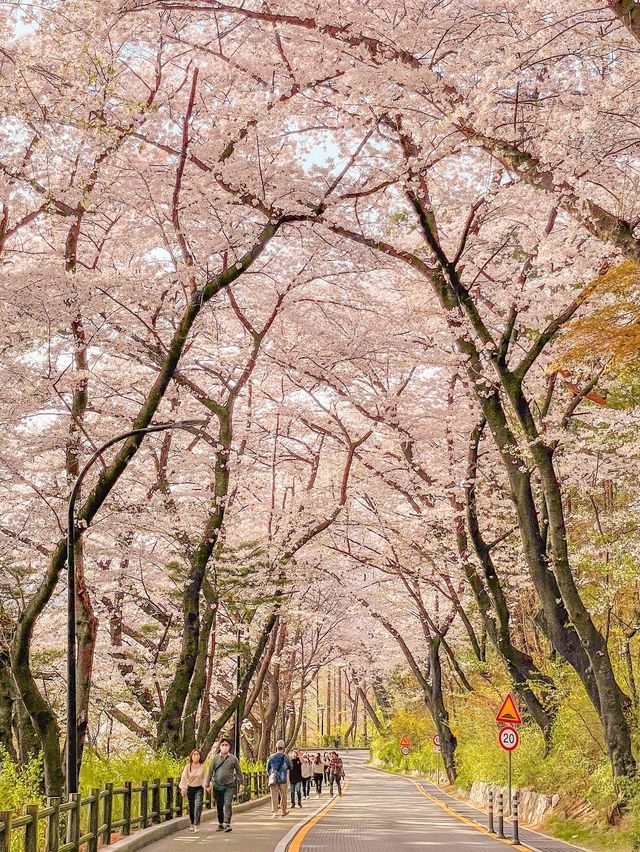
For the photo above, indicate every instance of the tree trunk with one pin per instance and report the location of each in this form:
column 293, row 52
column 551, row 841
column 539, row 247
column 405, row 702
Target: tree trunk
column 439, row 713
column 170, row 721
column 87, row 632
column 6, row 705
column 198, row 685
column 270, row 713
column 610, row 696
column 370, row 710
column 520, row 666
column 27, row 737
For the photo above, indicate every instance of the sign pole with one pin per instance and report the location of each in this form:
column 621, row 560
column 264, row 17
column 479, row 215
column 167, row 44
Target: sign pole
column 509, row 758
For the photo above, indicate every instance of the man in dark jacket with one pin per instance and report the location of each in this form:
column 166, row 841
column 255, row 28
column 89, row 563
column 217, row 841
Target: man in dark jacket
column 226, row 776
column 296, row 779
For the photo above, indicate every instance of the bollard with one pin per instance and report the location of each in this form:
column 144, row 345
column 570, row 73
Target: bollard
column 491, row 828
column 501, row 834
column 516, row 829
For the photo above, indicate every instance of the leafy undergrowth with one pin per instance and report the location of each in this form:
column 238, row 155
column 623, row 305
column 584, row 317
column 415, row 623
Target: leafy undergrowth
column 595, row 837
column 134, row 766
column 19, row 784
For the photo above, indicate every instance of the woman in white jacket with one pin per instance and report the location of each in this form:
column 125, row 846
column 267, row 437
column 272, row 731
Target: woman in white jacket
column 192, row 786
column 307, row 772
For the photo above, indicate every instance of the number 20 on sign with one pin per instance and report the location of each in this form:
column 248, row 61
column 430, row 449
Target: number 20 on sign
column 508, row 738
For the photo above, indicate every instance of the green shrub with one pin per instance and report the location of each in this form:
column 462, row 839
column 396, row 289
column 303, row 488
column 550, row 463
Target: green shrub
column 19, row 785
column 135, row 766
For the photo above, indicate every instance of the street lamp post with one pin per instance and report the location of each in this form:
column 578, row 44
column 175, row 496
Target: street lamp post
column 72, row 708
column 321, row 709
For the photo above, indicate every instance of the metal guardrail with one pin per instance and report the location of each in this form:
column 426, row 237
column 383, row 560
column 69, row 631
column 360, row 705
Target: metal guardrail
column 90, row 822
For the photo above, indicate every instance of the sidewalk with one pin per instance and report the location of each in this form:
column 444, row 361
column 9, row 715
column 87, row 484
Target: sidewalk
column 253, row 831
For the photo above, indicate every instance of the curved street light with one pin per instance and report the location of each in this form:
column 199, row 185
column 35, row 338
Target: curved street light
column 72, row 708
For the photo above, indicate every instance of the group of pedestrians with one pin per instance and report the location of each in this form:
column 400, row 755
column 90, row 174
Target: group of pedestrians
column 291, row 776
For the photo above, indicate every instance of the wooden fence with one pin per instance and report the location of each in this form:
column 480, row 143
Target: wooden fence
column 105, row 815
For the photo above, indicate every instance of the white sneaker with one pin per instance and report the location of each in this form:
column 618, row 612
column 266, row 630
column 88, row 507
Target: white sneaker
column 192, row 828
column 274, row 816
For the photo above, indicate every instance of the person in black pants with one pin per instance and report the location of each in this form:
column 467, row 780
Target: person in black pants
column 307, row 775
column 192, row 786
column 226, row 776
column 318, row 773
column 295, row 779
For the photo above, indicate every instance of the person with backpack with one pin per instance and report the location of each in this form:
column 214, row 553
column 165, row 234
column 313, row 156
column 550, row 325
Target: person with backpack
column 192, row 787
column 336, row 772
column 318, row 774
column 226, row 776
column 296, row 779
column 279, row 771
column 307, row 772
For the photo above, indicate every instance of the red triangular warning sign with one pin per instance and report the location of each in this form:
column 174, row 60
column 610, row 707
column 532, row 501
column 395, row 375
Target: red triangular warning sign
column 508, row 714
column 405, row 742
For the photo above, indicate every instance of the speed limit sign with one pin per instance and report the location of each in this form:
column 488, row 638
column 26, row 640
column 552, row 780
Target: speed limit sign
column 508, row 738
column 405, row 750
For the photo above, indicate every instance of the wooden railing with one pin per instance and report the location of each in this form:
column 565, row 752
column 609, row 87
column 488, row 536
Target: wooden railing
column 105, row 815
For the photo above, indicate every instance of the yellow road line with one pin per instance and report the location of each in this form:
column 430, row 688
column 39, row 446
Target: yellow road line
column 296, row 842
column 464, row 819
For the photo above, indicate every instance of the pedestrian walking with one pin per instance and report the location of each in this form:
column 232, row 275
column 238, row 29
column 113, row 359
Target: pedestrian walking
column 278, row 769
column 307, row 773
column 296, row 779
column 192, row 787
column 318, row 774
column 326, row 759
column 226, row 776
column 337, row 772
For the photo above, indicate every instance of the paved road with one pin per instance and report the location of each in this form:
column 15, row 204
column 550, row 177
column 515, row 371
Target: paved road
column 381, row 812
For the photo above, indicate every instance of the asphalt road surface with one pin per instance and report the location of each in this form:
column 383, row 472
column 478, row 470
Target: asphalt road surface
column 381, row 812
column 378, row 812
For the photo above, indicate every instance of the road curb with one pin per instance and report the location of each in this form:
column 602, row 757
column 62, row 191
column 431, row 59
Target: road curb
column 146, row 836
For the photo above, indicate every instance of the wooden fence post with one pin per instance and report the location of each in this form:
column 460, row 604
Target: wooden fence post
column 31, row 829
column 126, row 809
column 73, row 821
column 107, row 813
column 144, row 794
column 178, row 802
column 94, row 819
column 52, row 841
column 5, row 832
column 169, row 810
column 155, row 801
